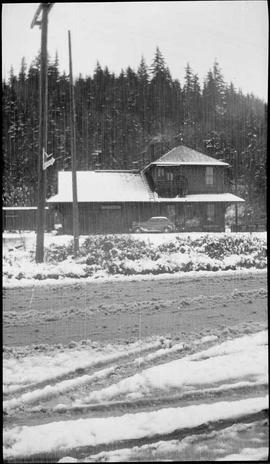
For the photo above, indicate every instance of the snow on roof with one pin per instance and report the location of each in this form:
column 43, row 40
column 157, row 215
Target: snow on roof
column 204, row 198
column 20, row 208
column 187, row 156
column 103, row 186
column 122, row 186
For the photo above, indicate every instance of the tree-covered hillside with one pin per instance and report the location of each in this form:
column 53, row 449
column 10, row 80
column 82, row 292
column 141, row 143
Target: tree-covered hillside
column 125, row 121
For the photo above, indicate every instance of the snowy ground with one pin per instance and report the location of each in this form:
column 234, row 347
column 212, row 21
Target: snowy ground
column 135, row 368
column 154, row 399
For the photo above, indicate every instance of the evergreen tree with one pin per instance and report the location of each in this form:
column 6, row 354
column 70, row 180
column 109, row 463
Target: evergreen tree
column 196, row 99
column 160, row 92
column 130, row 119
column 143, row 97
column 214, row 100
column 187, row 95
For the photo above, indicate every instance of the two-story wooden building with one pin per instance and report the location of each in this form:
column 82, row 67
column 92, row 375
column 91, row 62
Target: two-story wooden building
column 184, row 185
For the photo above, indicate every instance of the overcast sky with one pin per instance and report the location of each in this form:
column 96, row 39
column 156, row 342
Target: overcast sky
column 118, row 34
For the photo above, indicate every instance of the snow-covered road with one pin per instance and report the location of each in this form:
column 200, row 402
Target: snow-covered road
column 112, row 368
column 150, row 399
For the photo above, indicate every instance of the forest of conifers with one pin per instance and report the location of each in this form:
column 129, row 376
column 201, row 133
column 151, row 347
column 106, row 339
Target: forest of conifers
column 124, row 121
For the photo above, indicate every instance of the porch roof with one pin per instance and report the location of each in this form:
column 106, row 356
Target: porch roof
column 203, row 198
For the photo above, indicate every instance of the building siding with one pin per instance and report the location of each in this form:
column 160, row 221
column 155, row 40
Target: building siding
column 194, row 175
column 118, row 218
column 24, row 219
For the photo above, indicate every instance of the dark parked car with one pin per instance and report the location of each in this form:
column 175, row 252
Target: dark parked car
column 154, row 224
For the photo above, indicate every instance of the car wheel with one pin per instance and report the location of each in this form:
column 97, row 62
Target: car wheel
column 167, row 229
column 137, row 230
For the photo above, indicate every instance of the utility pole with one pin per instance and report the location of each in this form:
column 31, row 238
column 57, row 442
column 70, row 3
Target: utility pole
column 42, row 9
column 73, row 155
column 236, row 188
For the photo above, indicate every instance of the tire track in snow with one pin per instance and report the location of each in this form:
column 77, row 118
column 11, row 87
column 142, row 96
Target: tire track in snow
column 179, row 434
column 116, row 408
column 28, row 414
column 42, row 391
column 88, row 366
column 200, row 447
column 51, row 391
column 64, row 383
column 236, row 389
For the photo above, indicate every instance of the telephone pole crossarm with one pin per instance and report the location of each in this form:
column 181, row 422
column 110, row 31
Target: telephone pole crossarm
column 36, row 21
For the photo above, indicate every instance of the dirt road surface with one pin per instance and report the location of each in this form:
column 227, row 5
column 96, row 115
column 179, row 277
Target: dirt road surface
column 114, row 311
column 61, row 388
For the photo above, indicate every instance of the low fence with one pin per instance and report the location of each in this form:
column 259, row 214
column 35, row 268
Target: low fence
column 24, row 218
column 255, row 227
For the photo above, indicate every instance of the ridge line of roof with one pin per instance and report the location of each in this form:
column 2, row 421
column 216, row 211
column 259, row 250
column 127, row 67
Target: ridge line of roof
column 100, row 171
column 198, row 163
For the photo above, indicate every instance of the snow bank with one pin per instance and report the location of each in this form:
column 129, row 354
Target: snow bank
column 248, row 454
column 200, row 447
column 28, row 440
column 128, row 454
column 165, row 448
column 240, row 344
column 102, row 276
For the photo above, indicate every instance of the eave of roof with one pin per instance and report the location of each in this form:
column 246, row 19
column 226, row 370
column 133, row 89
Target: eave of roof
column 195, row 198
column 190, row 163
column 19, row 208
column 204, row 198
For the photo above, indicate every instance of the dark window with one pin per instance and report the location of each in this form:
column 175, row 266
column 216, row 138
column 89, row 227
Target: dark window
column 160, row 172
column 210, row 212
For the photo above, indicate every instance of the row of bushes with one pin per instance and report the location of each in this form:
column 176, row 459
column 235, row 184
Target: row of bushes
column 217, row 247
column 96, row 249
column 127, row 256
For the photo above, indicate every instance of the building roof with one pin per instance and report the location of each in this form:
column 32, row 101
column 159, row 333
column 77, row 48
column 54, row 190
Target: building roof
column 203, row 198
column 122, row 186
column 183, row 155
column 103, row 186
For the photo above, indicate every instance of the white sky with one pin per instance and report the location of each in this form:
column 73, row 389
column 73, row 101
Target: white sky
column 118, row 34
